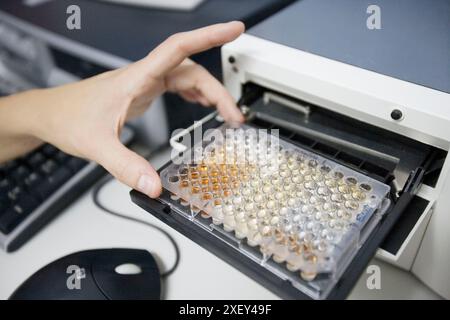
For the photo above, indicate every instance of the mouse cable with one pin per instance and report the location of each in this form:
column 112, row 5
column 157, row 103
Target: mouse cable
column 95, row 197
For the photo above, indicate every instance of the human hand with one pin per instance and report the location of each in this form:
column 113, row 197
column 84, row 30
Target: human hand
column 85, row 118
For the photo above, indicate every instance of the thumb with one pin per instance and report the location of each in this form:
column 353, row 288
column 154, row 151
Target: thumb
column 130, row 168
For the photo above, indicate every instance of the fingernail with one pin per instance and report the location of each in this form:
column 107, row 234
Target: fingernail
column 238, row 117
column 146, row 185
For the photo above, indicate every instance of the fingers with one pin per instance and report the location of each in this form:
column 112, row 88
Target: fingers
column 217, row 95
column 195, row 97
column 130, row 168
column 178, row 47
column 195, row 83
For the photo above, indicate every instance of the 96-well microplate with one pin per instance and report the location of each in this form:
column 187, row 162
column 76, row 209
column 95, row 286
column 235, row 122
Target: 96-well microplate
column 296, row 207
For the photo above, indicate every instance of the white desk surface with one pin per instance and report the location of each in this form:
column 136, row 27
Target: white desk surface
column 200, row 274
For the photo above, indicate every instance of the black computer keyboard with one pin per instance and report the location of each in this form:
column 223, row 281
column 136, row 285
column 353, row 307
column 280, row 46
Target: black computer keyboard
column 27, row 182
column 36, row 187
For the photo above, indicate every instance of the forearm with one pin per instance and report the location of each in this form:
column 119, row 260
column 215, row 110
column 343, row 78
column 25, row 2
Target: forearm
column 19, row 115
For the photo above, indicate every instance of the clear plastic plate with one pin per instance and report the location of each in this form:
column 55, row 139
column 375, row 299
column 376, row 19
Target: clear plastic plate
column 306, row 213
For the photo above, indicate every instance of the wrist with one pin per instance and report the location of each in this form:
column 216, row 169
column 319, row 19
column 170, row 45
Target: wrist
column 16, row 136
column 31, row 113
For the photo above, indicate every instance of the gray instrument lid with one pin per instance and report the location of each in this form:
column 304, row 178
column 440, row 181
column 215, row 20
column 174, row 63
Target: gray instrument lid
column 413, row 43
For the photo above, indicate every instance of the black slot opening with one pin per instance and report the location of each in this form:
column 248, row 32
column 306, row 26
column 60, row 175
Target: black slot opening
column 379, row 171
column 350, row 159
column 325, row 149
column 261, row 123
column 302, row 140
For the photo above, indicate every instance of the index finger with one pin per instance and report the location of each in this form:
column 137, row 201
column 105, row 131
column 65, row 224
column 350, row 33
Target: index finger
column 178, row 47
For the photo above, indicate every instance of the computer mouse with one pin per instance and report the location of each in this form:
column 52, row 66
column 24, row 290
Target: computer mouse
column 116, row 274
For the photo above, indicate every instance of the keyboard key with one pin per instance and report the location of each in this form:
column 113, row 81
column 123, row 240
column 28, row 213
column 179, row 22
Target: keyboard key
column 36, row 159
column 17, row 213
column 45, row 189
column 49, row 150
column 25, row 205
column 53, row 182
column 75, row 164
column 15, row 193
column 48, row 167
column 61, row 157
column 32, row 180
column 5, row 185
column 20, row 173
column 60, row 176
